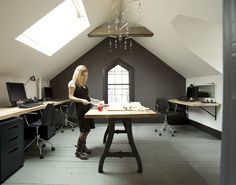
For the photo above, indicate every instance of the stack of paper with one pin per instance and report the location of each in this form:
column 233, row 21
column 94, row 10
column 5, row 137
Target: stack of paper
column 127, row 106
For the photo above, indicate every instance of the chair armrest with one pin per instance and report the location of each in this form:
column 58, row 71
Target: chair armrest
column 175, row 109
column 26, row 120
column 64, row 108
column 156, row 107
column 33, row 113
column 64, row 105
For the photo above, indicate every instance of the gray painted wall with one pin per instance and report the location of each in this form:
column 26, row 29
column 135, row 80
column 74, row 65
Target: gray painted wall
column 153, row 78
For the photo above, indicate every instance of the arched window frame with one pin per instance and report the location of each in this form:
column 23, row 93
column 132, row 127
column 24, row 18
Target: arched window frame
column 129, row 68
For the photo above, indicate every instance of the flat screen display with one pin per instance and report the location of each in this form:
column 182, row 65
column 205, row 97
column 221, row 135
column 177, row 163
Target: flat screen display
column 16, row 92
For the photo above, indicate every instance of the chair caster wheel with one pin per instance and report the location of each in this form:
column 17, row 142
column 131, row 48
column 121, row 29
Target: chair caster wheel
column 73, row 130
column 140, row 171
column 53, row 148
column 172, row 135
column 100, row 171
column 41, row 156
column 164, row 129
column 175, row 131
column 62, row 131
column 160, row 134
column 43, row 145
column 156, row 130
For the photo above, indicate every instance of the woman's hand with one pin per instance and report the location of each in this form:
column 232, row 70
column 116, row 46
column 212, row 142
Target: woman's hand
column 85, row 102
column 95, row 100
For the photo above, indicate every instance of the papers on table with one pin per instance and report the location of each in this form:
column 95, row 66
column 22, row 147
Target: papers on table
column 136, row 106
column 116, row 107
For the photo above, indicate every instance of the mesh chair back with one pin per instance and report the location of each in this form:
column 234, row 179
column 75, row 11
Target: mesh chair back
column 163, row 105
column 48, row 116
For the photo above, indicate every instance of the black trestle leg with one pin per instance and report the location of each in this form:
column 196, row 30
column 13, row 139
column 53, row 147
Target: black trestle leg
column 105, row 135
column 111, row 129
column 128, row 126
column 108, row 138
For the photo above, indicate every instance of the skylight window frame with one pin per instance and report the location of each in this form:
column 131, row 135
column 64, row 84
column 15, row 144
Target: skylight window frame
column 48, row 43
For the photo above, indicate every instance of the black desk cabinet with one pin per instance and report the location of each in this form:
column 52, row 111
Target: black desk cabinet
column 11, row 147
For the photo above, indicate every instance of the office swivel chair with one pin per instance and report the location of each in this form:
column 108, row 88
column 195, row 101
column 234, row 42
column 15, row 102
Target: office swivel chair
column 47, row 118
column 162, row 106
column 68, row 110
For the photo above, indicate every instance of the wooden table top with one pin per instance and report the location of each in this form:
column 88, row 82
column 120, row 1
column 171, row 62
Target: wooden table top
column 6, row 113
column 194, row 103
column 105, row 113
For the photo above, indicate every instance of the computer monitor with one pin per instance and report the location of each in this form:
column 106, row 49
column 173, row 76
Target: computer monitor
column 48, row 93
column 192, row 92
column 16, row 92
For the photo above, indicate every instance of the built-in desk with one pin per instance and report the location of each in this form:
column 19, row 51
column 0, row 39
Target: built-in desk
column 6, row 113
column 197, row 104
column 12, row 137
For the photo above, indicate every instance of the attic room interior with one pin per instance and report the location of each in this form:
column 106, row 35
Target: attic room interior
column 117, row 92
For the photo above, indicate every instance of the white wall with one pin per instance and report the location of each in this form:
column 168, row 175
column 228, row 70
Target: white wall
column 30, row 88
column 199, row 115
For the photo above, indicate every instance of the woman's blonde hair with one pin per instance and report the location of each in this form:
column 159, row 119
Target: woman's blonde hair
column 77, row 73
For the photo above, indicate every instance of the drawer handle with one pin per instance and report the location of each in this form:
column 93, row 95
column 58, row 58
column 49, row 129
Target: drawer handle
column 13, row 150
column 16, row 137
column 15, row 126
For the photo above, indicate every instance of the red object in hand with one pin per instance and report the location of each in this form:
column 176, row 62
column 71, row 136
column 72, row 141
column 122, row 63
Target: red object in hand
column 100, row 107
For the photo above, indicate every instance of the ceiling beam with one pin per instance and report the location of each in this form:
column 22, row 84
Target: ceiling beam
column 102, row 31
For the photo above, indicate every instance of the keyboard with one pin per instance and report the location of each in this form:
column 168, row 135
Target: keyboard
column 187, row 99
column 29, row 105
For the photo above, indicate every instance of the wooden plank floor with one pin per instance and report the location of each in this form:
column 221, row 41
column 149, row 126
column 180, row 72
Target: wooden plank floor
column 190, row 158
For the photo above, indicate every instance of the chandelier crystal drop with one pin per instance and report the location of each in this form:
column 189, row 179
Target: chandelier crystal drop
column 120, row 23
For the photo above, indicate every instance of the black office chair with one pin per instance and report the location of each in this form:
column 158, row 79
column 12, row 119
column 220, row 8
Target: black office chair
column 67, row 110
column 162, row 106
column 47, row 118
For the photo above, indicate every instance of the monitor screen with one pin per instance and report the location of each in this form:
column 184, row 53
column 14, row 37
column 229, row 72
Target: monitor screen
column 16, row 92
column 192, row 92
column 48, row 92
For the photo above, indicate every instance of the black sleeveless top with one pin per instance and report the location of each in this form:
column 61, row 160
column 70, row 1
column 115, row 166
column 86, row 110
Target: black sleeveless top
column 82, row 92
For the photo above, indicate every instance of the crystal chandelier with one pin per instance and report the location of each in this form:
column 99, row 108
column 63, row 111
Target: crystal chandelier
column 118, row 27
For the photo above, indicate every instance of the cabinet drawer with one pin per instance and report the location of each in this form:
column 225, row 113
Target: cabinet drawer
column 12, row 159
column 12, row 132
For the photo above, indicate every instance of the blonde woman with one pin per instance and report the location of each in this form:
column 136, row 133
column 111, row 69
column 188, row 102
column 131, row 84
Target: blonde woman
column 78, row 93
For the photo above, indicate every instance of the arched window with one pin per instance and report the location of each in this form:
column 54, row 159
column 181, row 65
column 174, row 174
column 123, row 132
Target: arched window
column 119, row 83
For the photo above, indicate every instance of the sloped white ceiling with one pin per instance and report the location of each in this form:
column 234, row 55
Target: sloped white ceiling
column 19, row 60
column 188, row 36
column 202, row 38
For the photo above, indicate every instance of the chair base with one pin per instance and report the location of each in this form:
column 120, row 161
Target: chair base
column 37, row 139
column 68, row 122
column 165, row 127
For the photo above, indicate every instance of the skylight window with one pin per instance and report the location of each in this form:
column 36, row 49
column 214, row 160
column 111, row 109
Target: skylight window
column 57, row 28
